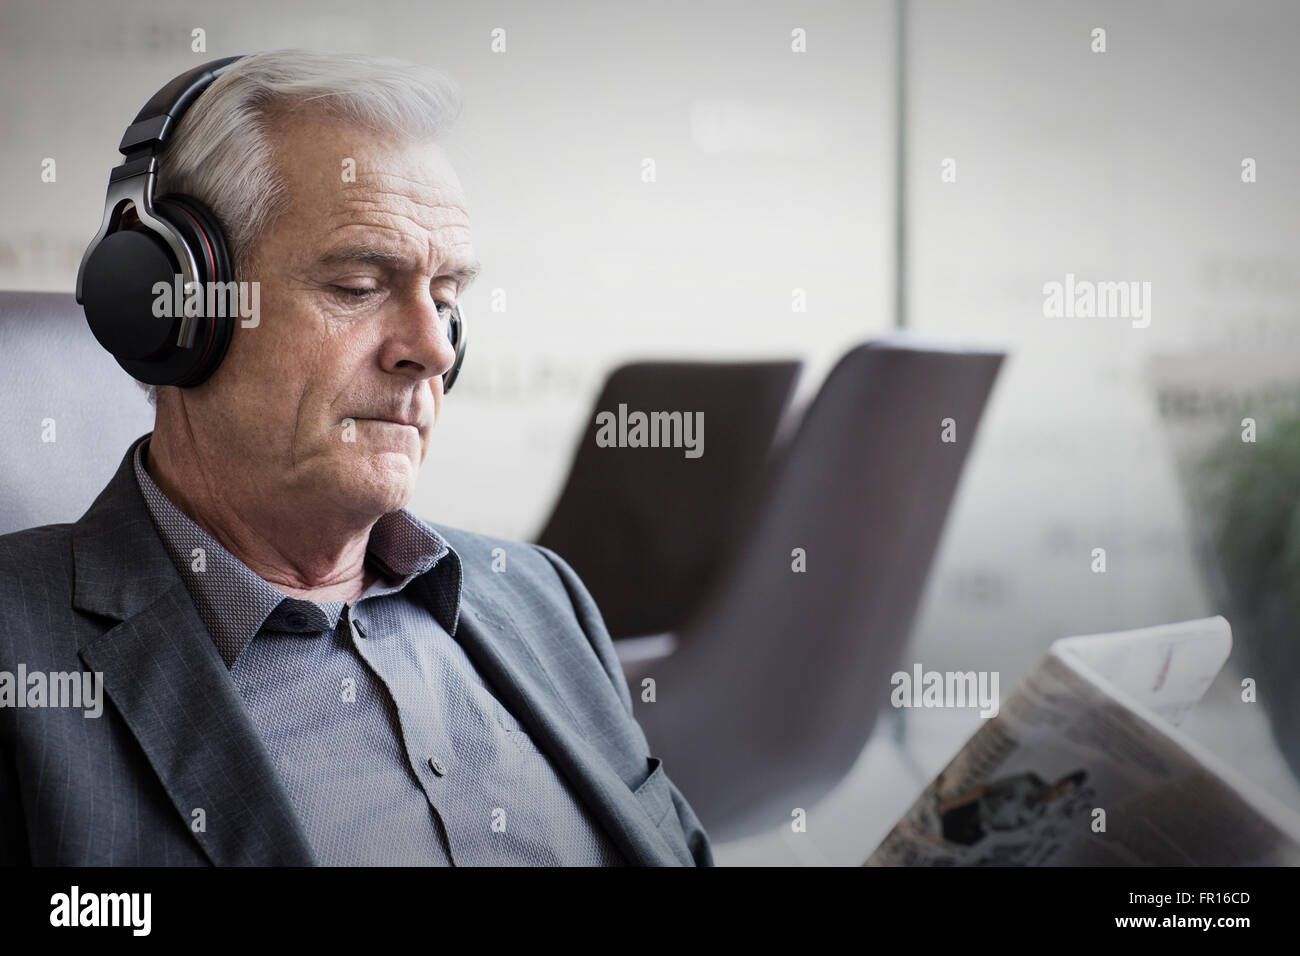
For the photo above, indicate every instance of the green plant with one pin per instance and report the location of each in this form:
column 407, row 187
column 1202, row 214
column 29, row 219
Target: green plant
column 1256, row 540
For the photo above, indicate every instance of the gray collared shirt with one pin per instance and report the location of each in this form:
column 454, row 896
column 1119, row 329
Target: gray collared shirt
column 392, row 748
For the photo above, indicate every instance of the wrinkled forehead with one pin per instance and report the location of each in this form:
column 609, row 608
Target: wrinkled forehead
column 338, row 174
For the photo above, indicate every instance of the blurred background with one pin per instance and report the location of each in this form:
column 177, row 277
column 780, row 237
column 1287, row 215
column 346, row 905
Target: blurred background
column 817, row 177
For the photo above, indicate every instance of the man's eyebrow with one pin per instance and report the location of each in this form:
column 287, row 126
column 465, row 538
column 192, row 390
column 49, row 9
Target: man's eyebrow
column 371, row 255
column 464, row 275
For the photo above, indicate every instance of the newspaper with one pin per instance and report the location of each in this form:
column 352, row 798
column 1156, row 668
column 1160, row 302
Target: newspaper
column 1083, row 765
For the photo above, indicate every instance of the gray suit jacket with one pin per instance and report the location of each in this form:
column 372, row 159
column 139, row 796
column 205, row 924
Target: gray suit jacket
column 103, row 595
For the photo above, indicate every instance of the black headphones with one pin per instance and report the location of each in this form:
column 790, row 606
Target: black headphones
column 157, row 239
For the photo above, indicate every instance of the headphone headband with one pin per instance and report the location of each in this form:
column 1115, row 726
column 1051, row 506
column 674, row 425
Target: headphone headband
column 153, row 125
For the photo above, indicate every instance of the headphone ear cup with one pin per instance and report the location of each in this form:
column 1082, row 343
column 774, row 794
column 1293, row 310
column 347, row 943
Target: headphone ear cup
column 118, row 293
column 123, row 308
column 201, row 232
column 456, row 335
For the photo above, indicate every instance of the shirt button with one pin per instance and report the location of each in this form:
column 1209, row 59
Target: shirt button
column 436, row 767
column 297, row 620
column 360, row 630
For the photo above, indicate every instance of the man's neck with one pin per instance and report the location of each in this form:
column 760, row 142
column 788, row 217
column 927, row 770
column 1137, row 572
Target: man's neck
column 297, row 552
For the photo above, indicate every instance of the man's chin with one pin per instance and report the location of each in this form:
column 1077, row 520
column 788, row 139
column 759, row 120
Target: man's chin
column 381, row 482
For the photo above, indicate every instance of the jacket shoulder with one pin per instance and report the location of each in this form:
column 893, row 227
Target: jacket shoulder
column 33, row 550
column 35, row 581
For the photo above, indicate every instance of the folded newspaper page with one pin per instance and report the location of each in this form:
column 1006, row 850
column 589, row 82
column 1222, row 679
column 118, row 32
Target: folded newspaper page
column 1083, row 765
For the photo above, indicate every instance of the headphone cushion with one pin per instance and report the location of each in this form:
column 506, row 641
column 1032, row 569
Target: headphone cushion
column 202, row 233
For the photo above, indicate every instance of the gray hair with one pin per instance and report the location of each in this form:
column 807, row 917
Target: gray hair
column 222, row 152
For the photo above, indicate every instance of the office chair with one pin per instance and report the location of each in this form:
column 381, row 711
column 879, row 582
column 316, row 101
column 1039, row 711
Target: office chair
column 777, row 679
column 70, row 411
column 647, row 528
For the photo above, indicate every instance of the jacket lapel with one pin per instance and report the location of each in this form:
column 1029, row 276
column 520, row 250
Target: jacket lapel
column 502, row 655
column 164, row 675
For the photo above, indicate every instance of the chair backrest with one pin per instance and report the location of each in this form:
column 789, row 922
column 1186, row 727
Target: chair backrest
column 70, row 411
column 779, row 677
column 645, row 527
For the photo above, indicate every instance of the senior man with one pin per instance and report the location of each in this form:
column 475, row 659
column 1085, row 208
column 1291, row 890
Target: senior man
column 296, row 668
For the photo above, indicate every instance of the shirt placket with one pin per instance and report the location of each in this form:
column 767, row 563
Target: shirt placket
column 426, row 741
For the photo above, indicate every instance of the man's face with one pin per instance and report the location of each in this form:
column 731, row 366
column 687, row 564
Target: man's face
column 357, row 280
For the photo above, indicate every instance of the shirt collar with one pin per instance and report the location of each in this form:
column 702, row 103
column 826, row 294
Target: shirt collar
column 234, row 602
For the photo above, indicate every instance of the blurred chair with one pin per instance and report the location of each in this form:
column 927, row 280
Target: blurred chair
column 779, row 676
column 647, row 528
column 59, row 383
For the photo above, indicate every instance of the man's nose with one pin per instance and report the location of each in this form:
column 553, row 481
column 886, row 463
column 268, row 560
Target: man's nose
column 418, row 343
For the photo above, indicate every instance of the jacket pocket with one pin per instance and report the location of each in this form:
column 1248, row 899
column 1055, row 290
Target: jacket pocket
column 653, row 792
